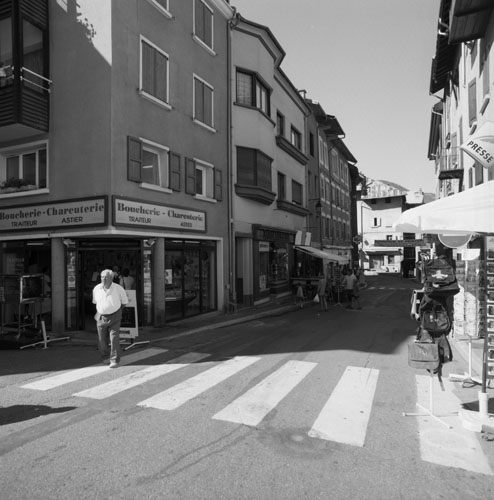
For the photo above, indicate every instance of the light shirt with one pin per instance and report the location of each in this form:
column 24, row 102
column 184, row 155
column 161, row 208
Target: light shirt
column 349, row 281
column 109, row 301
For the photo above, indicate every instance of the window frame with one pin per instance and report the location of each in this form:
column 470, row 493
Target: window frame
column 281, row 186
column 205, row 85
column 295, row 138
column 161, row 8
column 144, row 92
column 255, row 83
column 200, row 38
column 297, row 193
column 163, row 168
column 20, row 151
column 256, row 155
column 280, row 124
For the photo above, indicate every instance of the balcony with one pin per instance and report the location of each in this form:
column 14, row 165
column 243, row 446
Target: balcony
column 24, row 69
column 450, row 164
column 24, row 104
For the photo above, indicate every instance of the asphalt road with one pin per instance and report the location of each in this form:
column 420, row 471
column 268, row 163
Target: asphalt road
column 306, row 405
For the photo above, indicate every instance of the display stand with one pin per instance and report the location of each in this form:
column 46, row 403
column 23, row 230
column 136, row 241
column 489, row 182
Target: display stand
column 45, row 340
column 429, row 412
column 467, row 378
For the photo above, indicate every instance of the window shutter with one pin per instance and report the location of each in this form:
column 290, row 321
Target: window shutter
column 134, row 159
column 218, row 186
column 190, row 176
column 175, row 173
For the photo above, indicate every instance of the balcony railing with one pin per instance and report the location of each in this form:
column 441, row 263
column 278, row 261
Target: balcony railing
column 24, row 103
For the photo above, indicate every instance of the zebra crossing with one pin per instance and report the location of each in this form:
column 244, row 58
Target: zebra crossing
column 343, row 418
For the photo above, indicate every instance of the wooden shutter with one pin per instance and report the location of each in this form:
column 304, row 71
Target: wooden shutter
column 175, row 173
column 134, row 159
column 218, row 184
column 190, row 176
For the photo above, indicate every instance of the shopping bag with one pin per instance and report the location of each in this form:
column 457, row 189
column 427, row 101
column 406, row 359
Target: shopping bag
column 316, row 298
column 423, row 355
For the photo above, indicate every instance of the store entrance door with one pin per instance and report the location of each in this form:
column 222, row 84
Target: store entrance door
column 94, row 256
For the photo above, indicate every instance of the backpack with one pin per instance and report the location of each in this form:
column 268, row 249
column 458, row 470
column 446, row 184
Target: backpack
column 434, row 316
column 439, row 278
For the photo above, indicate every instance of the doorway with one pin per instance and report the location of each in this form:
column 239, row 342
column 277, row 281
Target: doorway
column 94, row 256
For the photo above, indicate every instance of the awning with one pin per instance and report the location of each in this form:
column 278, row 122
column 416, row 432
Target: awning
column 468, row 212
column 481, row 145
column 315, row 252
column 384, row 250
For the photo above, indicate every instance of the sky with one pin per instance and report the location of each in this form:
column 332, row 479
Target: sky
column 368, row 62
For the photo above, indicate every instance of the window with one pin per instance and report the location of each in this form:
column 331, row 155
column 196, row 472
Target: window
column 253, row 168
column 162, row 6
column 472, row 102
column 297, row 193
column 376, row 222
column 389, row 237
column 23, row 169
column 311, row 143
column 152, row 165
column 203, row 180
column 296, row 138
column 251, row 91
column 203, row 23
column 485, row 77
column 154, row 72
column 203, row 102
column 280, row 125
column 281, row 187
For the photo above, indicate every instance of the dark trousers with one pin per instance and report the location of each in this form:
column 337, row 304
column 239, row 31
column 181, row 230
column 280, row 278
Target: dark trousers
column 109, row 333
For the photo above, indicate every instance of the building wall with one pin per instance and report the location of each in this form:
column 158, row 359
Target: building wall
column 96, row 105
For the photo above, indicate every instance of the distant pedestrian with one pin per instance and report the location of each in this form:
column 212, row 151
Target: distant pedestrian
column 126, row 280
column 299, row 297
column 350, row 283
column 321, row 291
column 110, row 298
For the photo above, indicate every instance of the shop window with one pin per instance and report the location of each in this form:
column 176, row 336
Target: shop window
column 203, row 23
column 154, row 73
column 251, row 91
column 23, row 169
column 203, row 180
column 190, row 278
column 203, row 102
column 152, row 165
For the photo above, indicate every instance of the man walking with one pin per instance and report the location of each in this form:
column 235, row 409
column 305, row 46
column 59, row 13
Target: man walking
column 110, row 298
column 351, row 287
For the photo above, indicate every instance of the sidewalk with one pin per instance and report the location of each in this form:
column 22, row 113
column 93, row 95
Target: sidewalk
column 188, row 326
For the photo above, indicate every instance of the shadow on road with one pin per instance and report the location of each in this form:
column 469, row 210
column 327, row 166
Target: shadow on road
column 19, row 413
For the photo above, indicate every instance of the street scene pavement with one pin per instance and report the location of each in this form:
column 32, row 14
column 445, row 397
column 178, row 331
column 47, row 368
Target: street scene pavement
column 280, row 403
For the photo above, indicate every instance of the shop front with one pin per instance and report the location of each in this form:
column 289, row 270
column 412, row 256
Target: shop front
column 173, row 275
column 273, row 258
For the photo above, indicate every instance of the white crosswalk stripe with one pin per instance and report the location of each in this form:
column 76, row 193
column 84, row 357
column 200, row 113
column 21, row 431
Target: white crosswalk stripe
column 137, row 378
column 345, row 416
column 88, row 371
column 256, row 403
column 179, row 394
